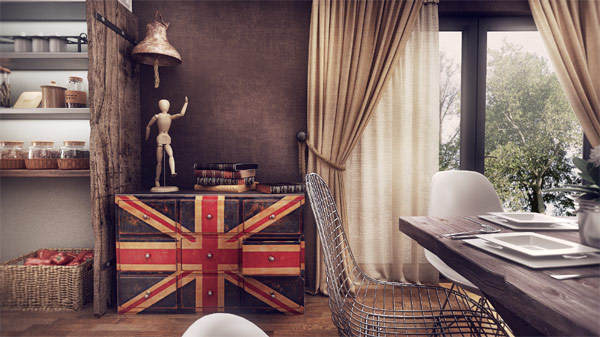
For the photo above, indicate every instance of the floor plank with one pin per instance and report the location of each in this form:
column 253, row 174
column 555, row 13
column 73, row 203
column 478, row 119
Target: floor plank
column 316, row 321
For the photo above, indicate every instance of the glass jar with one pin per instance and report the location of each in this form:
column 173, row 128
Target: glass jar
column 5, row 87
column 12, row 155
column 12, row 150
column 42, row 150
column 76, row 95
column 74, row 149
column 588, row 214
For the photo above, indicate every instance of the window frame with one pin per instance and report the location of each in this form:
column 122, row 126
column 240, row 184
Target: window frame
column 474, row 31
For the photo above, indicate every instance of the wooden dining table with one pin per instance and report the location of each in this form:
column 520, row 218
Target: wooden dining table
column 530, row 301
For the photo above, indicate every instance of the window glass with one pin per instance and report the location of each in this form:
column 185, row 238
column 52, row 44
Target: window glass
column 531, row 132
column 450, row 83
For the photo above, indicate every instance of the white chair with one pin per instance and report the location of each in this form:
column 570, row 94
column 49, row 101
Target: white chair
column 460, row 193
column 223, row 325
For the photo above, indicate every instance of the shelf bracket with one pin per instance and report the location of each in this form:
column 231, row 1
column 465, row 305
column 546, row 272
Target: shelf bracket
column 116, row 29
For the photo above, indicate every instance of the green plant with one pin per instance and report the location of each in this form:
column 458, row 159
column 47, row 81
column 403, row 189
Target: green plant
column 589, row 172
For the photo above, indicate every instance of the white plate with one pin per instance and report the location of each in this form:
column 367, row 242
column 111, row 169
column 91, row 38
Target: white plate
column 534, row 244
column 558, row 226
column 535, row 262
column 528, row 218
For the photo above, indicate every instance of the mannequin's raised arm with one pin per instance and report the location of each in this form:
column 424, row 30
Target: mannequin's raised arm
column 150, row 123
column 183, row 109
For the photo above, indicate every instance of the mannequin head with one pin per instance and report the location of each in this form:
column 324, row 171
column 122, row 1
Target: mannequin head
column 163, row 105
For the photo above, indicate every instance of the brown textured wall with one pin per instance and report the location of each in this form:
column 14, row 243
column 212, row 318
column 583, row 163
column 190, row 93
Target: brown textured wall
column 244, row 71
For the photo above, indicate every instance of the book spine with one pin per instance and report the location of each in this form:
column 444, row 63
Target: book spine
column 226, row 166
column 280, row 189
column 204, row 166
column 224, row 174
column 217, row 174
column 222, row 166
column 224, row 181
column 225, row 188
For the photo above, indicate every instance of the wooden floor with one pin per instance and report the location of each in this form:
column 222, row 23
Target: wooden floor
column 315, row 322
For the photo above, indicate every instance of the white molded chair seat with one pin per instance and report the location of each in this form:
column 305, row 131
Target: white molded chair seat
column 449, row 273
column 223, row 325
column 460, row 193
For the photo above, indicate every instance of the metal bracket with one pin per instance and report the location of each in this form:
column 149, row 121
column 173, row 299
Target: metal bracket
column 115, row 28
column 109, row 264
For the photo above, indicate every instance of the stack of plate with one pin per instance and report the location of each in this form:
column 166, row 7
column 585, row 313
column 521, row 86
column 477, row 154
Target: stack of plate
column 536, row 250
column 522, row 221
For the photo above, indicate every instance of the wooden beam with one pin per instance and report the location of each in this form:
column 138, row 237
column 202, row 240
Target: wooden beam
column 115, row 144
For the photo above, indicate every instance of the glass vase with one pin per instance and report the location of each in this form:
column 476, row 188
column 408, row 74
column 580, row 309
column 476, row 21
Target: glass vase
column 588, row 217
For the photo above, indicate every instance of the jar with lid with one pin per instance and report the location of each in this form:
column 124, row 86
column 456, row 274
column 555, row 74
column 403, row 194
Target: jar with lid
column 53, row 95
column 5, row 87
column 76, row 95
column 74, row 149
column 42, row 155
column 22, row 43
column 40, row 43
column 12, row 155
column 74, row 156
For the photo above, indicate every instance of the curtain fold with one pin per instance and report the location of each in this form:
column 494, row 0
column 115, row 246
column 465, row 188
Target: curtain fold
column 389, row 171
column 353, row 46
column 569, row 29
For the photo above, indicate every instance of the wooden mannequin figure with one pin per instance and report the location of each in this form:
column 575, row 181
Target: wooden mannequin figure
column 163, row 142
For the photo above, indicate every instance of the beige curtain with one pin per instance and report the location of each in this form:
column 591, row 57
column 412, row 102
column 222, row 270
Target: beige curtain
column 570, row 30
column 389, row 171
column 353, row 45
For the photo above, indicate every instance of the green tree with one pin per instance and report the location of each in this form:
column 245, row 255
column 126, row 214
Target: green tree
column 531, row 131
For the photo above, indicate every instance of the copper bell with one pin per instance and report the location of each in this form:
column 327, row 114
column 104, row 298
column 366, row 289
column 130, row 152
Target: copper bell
column 155, row 49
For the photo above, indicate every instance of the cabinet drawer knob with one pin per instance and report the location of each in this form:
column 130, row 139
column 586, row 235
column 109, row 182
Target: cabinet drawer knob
column 147, row 294
column 272, row 294
column 209, row 255
column 145, row 216
column 210, row 293
column 209, row 216
column 271, row 258
column 147, row 255
column 272, row 216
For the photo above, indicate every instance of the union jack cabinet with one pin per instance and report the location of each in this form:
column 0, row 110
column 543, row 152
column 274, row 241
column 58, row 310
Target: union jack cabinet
column 210, row 253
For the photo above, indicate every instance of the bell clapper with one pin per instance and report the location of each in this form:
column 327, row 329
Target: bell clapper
column 156, row 77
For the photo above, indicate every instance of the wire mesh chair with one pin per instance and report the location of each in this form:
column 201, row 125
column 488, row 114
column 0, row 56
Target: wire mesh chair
column 363, row 306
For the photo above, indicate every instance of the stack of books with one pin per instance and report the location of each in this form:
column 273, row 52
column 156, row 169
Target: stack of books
column 225, row 177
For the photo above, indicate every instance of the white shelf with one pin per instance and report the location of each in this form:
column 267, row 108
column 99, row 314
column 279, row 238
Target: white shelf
column 42, row 10
column 41, row 114
column 45, row 61
column 45, row 173
column 51, row 1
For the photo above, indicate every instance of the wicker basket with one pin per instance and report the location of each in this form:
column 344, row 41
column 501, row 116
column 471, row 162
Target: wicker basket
column 41, row 164
column 74, row 164
column 51, row 288
column 12, row 164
